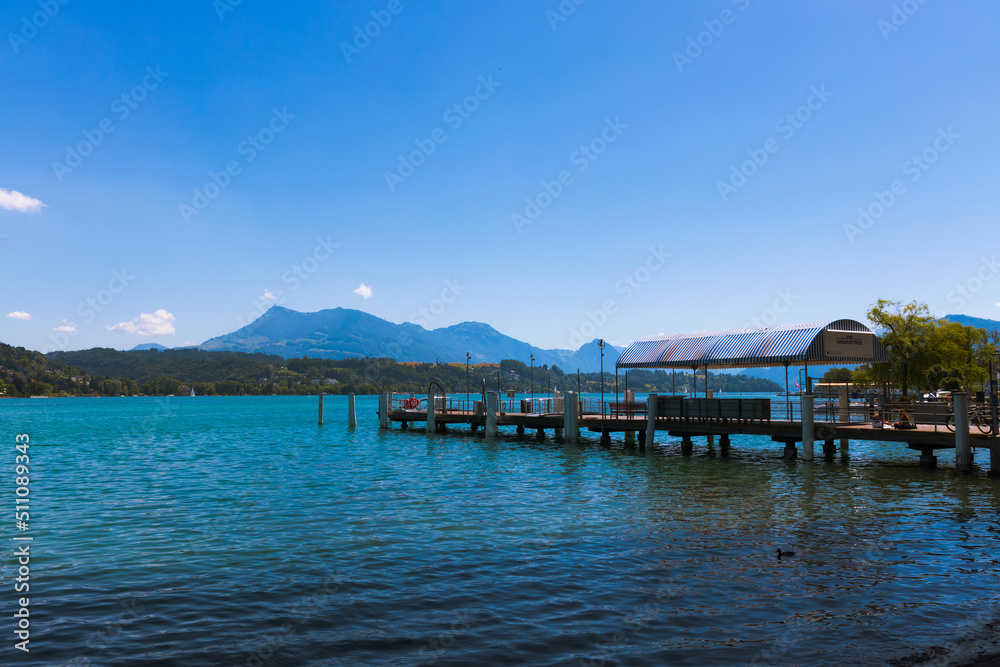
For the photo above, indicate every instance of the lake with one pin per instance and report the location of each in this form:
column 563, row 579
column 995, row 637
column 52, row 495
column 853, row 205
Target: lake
column 235, row 531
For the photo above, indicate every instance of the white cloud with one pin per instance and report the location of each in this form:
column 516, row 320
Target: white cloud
column 12, row 200
column 268, row 296
column 19, row 315
column 365, row 291
column 66, row 326
column 159, row 323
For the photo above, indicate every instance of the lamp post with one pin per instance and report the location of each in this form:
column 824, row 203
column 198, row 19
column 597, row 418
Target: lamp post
column 467, row 358
column 532, row 377
column 600, row 344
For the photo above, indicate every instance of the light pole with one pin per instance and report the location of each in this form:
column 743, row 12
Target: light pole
column 467, row 358
column 600, row 344
column 532, row 377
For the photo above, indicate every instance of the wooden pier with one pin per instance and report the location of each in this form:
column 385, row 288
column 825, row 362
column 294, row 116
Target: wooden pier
column 574, row 415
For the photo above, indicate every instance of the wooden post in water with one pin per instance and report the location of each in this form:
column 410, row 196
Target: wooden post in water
column 807, row 426
column 491, row 414
column 650, row 421
column 844, row 417
column 352, row 415
column 709, row 393
column 571, row 416
column 431, row 414
column 383, row 411
column 963, row 447
column 321, row 408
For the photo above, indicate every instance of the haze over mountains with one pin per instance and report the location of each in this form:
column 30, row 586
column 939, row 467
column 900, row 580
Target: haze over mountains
column 340, row 333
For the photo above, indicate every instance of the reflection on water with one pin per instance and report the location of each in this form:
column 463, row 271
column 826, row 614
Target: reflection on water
column 235, row 531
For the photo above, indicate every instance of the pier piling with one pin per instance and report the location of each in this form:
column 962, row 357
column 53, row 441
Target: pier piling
column 829, row 450
column 963, row 447
column 383, row 411
column 845, row 417
column 807, row 427
column 321, row 408
column 650, row 422
column 927, row 458
column 571, row 417
column 491, row 414
column 791, row 451
column 687, row 447
column 352, row 415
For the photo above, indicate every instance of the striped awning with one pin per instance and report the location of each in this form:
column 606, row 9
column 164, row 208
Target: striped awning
column 837, row 342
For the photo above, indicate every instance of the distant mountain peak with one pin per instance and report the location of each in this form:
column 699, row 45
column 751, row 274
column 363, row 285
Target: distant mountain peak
column 339, row 333
column 149, row 346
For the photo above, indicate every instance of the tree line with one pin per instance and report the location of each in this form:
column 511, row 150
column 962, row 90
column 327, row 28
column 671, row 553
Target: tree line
column 109, row 372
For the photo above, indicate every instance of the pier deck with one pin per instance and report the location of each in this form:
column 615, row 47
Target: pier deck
column 924, row 435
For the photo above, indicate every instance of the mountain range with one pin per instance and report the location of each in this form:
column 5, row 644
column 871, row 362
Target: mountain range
column 970, row 321
column 340, row 333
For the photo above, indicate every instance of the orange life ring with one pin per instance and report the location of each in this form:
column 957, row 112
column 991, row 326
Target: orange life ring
column 413, row 403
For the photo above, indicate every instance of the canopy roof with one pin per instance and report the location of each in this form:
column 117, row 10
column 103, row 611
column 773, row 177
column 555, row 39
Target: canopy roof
column 837, row 342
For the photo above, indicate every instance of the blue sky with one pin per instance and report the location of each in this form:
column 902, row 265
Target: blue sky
column 561, row 171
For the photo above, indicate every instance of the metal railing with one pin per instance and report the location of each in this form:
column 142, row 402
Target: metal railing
column 934, row 413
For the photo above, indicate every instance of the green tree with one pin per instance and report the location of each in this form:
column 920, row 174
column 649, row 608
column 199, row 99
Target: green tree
column 837, row 375
column 905, row 330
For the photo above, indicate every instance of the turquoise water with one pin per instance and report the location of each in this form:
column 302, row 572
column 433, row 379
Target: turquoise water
column 235, row 531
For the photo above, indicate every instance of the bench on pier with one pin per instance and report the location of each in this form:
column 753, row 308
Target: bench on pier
column 627, row 408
